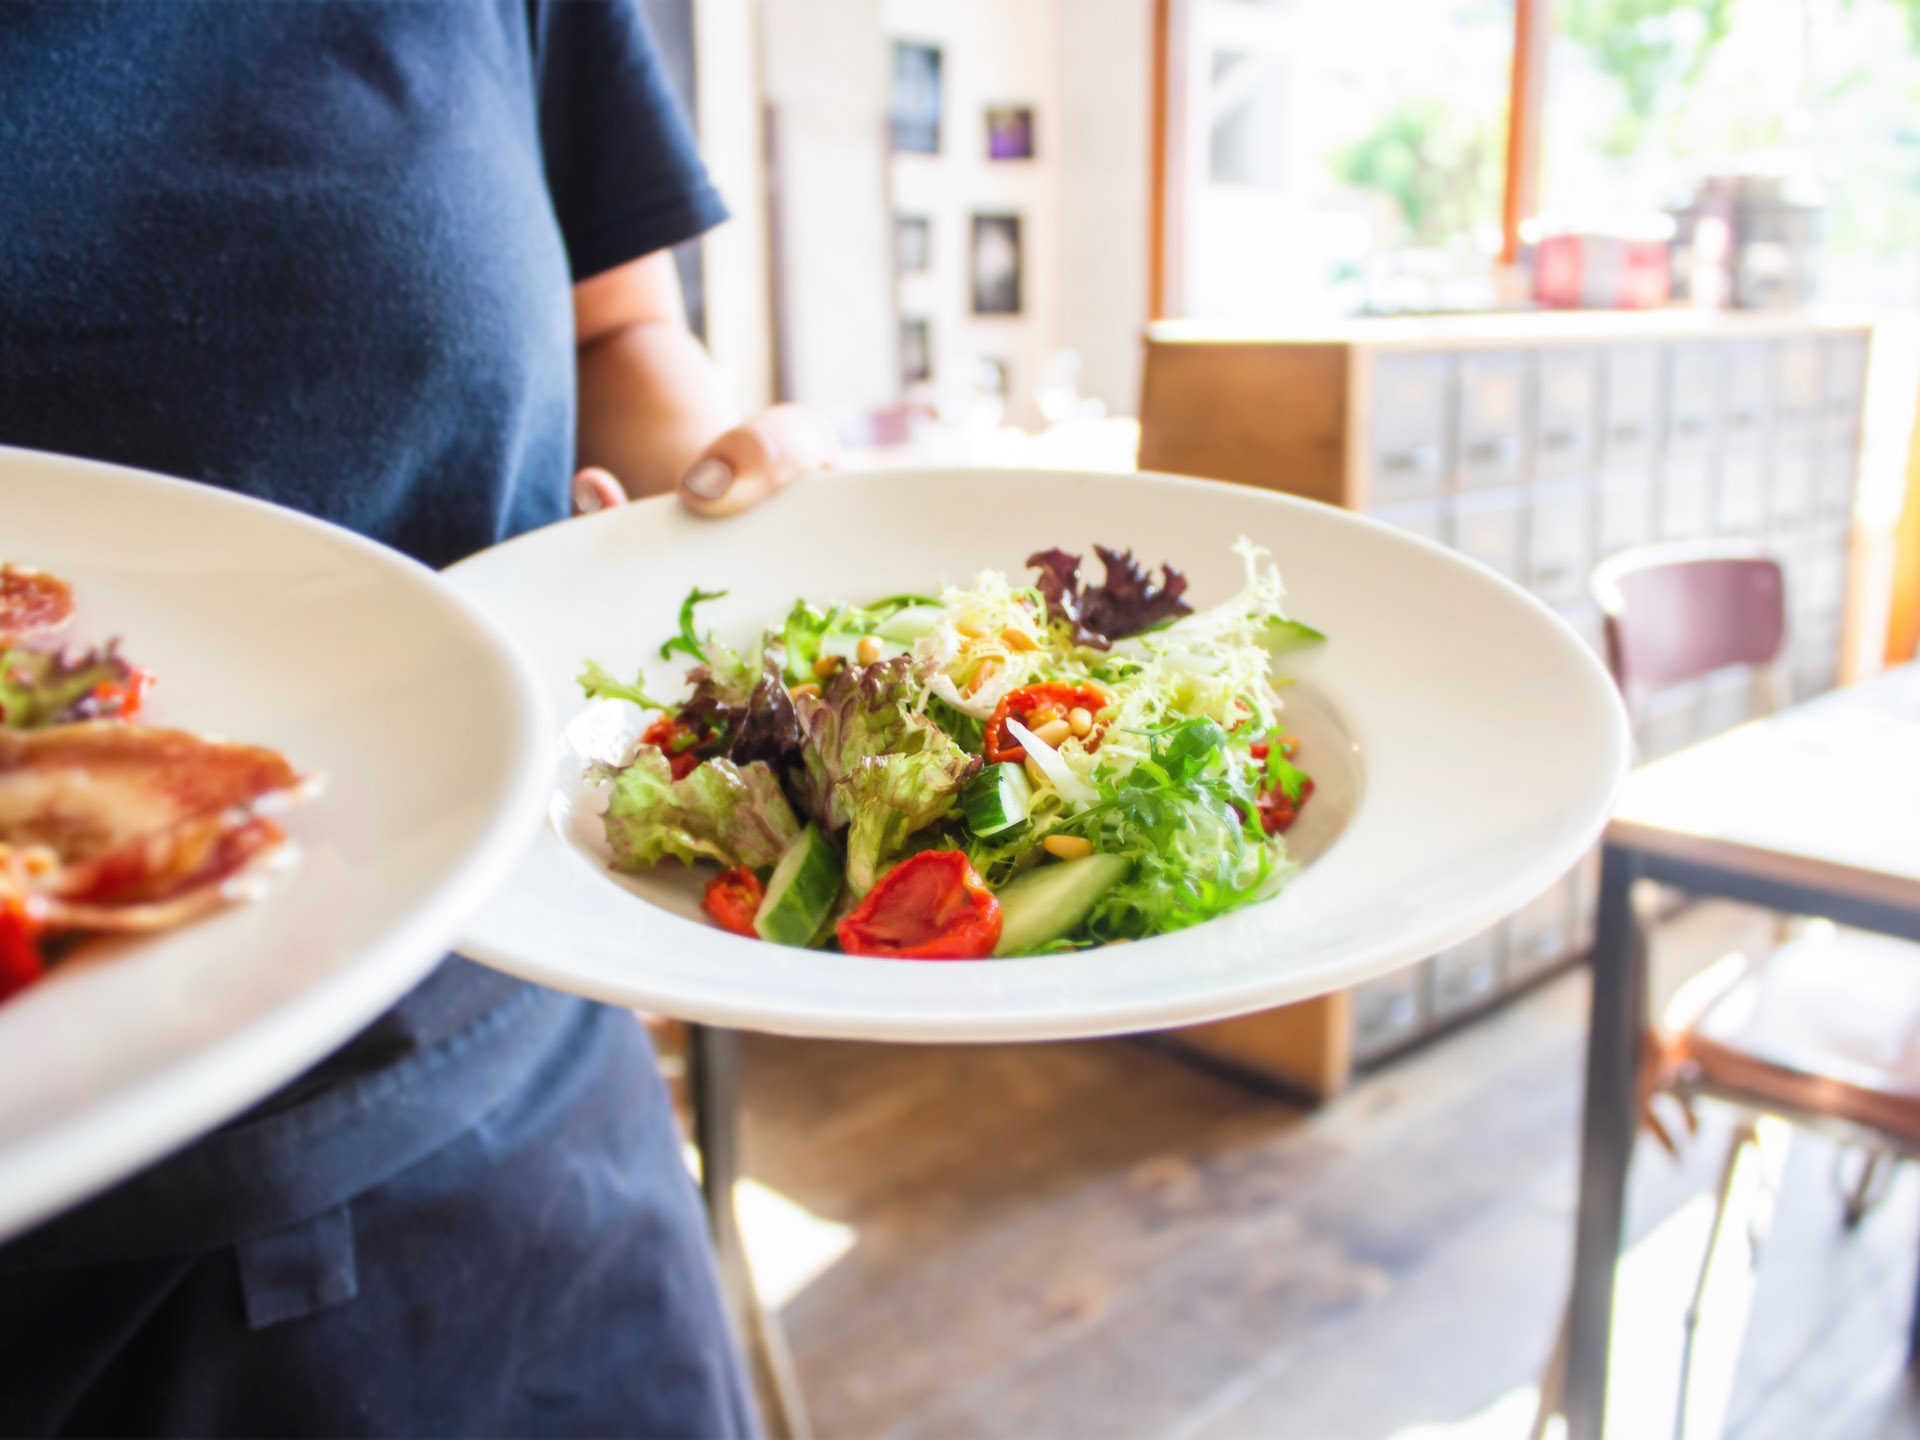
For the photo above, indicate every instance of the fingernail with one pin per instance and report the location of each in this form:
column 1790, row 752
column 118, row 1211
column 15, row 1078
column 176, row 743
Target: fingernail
column 586, row 499
column 708, row 480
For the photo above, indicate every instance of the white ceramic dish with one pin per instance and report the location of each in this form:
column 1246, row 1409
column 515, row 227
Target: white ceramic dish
column 355, row 662
column 1466, row 744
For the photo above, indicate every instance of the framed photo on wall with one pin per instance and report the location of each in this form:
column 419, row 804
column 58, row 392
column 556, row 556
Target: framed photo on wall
column 1010, row 132
column 912, row 243
column 913, row 108
column 996, row 265
column 916, row 352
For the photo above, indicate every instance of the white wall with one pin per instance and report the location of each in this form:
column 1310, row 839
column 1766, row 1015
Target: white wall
column 1105, row 74
column 739, row 318
column 826, row 75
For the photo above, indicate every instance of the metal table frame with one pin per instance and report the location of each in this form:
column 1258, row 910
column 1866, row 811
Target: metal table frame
column 1616, row 1028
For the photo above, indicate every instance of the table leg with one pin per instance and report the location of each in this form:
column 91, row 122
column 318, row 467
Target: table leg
column 1614, row 1038
column 713, row 1083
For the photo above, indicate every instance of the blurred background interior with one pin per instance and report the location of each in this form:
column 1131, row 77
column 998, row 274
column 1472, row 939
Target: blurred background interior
column 1542, row 280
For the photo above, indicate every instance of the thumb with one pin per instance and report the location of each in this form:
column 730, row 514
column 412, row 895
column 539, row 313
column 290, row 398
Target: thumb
column 752, row 460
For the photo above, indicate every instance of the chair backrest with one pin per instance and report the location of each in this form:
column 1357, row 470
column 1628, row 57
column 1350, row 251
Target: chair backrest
column 1677, row 612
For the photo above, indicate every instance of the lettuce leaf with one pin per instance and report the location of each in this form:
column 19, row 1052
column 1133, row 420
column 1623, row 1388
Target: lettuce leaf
column 45, row 687
column 597, row 683
column 735, row 814
column 1126, row 602
column 895, row 796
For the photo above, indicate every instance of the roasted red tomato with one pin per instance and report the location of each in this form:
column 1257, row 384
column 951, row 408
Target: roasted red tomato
column 20, row 962
column 1029, row 704
column 733, row 898
column 1277, row 812
column 677, row 743
column 931, row 906
column 34, row 606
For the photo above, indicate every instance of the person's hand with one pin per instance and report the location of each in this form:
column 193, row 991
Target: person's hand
column 739, row 469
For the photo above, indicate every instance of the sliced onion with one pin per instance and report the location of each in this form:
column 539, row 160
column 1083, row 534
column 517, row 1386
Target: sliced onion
column 1072, row 788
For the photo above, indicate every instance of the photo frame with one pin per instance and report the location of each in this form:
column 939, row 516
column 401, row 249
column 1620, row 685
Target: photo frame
column 915, row 101
column 1009, row 132
column 916, row 351
column 913, row 243
column 997, row 265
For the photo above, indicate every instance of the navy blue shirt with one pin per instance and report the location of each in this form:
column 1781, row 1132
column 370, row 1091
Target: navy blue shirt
column 323, row 254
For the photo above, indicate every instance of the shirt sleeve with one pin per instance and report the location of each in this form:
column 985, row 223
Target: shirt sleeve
column 625, row 176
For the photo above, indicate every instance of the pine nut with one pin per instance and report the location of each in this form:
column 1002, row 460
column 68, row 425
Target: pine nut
column 972, row 629
column 988, row 669
column 868, row 650
column 827, row 666
column 807, row 689
column 1035, row 773
column 1053, row 732
column 1043, row 715
column 1080, row 722
column 1018, row 639
column 1068, row 847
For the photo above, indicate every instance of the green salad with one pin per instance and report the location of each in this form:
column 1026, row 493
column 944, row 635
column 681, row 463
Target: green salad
column 997, row 770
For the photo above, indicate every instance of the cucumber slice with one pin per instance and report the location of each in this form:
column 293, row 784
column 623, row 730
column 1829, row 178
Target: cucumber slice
column 997, row 799
column 911, row 623
column 800, row 896
column 1045, row 904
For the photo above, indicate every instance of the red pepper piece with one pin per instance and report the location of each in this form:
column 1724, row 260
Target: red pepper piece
column 931, row 906
column 1019, row 704
column 733, row 898
column 676, row 742
column 20, row 960
column 1277, row 812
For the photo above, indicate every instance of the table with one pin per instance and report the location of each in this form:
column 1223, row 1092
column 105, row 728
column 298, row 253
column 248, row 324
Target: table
column 1815, row 811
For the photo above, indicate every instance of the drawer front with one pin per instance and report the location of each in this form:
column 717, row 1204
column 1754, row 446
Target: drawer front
column 1835, row 476
column 1389, row 1010
column 1487, row 528
column 1846, row 378
column 1492, row 418
column 1568, row 412
column 1743, row 509
column 1426, row 518
column 1559, row 539
column 1790, row 496
column 1470, row 974
column 1632, row 403
column 1799, row 392
column 1817, row 583
column 1408, row 426
column 1669, row 720
column 1686, row 499
column 1749, row 408
column 1727, row 699
column 1814, row 660
column 1540, row 934
column 1695, row 397
column 1623, row 513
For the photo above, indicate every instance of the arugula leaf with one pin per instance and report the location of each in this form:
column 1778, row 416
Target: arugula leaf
column 686, row 642
column 599, row 684
column 1283, row 772
column 735, row 814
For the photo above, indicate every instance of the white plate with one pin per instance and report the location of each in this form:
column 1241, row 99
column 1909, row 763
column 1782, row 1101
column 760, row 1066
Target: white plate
column 1466, row 743
column 266, row 626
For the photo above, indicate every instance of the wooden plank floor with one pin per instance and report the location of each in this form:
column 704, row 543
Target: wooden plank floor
column 1093, row 1239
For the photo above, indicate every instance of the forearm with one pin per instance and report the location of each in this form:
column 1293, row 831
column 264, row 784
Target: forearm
column 651, row 400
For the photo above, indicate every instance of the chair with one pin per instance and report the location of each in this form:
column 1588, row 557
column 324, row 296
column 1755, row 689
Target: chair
column 1822, row 1032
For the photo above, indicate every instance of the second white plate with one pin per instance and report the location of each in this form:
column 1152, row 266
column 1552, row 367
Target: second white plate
column 1466, row 744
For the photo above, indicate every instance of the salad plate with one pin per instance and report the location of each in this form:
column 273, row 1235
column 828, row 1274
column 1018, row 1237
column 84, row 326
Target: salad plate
column 1463, row 745
column 420, row 740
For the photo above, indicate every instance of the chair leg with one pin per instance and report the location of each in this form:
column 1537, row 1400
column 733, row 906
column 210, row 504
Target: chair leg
column 1858, row 1199
column 713, row 1083
column 1743, row 1136
column 1551, row 1380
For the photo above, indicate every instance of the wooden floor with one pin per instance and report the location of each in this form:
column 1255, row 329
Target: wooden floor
column 1093, row 1239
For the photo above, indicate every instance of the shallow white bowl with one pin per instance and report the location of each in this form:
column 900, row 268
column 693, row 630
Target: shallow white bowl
column 1466, row 744
column 358, row 664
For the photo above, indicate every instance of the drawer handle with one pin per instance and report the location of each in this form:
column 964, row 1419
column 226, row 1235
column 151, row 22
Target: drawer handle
column 1498, row 448
column 1690, row 425
column 1557, row 440
column 1627, row 434
column 1743, row 419
column 1420, row 460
